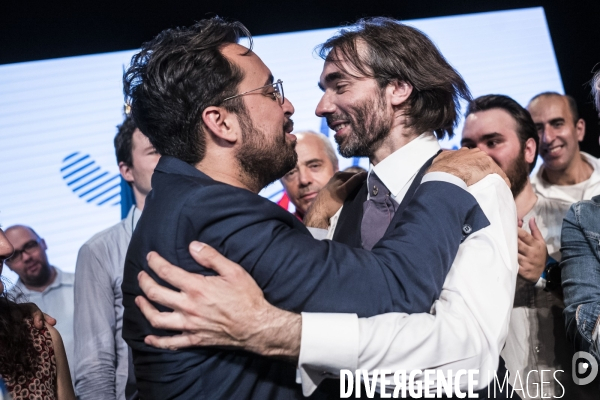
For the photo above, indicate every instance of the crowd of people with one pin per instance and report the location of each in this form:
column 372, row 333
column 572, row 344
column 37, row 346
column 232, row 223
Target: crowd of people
column 430, row 260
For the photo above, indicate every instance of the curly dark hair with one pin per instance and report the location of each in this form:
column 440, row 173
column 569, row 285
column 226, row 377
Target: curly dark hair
column 123, row 141
column 17, row 354
column 175, row 77
column 399, row 52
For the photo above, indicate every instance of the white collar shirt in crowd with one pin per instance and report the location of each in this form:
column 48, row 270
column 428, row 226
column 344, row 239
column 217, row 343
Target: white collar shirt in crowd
column 103, row 369
column 536, row 346
column 57, row 301
column 569, row 193
column 467, row 326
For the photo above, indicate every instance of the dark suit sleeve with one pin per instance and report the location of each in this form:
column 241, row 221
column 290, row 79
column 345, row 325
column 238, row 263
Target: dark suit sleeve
column 404, row 272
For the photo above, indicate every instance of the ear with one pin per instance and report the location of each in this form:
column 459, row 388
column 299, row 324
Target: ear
column 43, row 245
column 580, row 129
column 221, row 123
column 529, row 150
column 398, row 92
column 126, row 172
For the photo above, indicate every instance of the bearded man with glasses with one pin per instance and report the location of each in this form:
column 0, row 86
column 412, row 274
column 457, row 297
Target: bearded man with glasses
column 48, row 287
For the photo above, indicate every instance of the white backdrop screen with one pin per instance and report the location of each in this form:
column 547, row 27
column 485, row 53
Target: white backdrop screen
column 58, row 171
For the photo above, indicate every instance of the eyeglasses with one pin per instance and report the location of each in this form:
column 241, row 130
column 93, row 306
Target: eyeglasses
column 18, row 254
column 276, row 94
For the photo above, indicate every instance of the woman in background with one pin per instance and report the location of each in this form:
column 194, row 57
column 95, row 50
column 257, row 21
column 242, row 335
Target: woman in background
column 33, row 363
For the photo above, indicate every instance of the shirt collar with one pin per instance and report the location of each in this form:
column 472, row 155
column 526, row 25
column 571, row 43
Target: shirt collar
column 397, row 169
column 58, row 281
column 132, row 218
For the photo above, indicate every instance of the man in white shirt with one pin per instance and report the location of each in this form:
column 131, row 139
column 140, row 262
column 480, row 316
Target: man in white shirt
column 537, row 353
column 567, row 175
column 104, row 369
column 41, row 283
column 391, row 120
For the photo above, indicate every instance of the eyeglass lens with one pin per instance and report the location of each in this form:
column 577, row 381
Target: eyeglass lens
column 18, row 254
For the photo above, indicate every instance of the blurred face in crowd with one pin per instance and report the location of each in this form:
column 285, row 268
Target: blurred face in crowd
column 356, row 109
column 29, row 260
column 311, row 174
column 6, row 250
column 494, row 132
column 559, row 133
column 144, row 159
column 267, row 149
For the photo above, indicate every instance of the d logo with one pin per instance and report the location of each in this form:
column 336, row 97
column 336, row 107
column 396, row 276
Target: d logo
column 585, row 368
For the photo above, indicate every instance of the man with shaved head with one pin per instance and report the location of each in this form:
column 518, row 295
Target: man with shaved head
column 41, row 283
column 317, row 162
column 568, row 175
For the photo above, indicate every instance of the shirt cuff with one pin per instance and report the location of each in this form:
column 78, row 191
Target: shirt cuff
column 329, row 343
column 318, row 233
column 444, row 177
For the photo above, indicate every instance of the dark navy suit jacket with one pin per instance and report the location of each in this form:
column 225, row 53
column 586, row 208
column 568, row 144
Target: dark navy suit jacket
column 403, row 273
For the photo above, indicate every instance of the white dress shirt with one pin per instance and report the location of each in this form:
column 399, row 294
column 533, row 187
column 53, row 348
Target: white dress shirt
column 103, row 370
column 467, row 326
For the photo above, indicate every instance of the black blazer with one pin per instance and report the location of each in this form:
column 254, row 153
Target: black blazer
column 295, row 271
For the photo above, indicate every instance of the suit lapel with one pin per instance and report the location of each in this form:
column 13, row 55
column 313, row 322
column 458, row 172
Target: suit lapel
column 347, row 230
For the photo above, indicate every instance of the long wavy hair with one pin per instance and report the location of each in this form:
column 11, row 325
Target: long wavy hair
column 17, row 353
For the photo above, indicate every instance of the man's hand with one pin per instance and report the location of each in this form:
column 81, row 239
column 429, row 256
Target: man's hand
column 533, row 253
column 470, row 165
column 38, row 316
column 331, row 198
column 225, row 310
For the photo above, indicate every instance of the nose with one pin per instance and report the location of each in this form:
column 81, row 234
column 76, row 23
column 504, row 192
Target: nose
column 547, row 134
column 325, row 106
column 288, row 108
column 6, row 248
column 304, row 177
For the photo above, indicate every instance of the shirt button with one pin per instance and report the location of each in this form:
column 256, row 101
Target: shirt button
column 467, row 229
column 375, row 190
column 537, row 349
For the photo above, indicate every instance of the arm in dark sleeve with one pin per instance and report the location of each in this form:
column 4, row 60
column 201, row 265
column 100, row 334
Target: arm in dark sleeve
column 580, row 279
column 404, row 272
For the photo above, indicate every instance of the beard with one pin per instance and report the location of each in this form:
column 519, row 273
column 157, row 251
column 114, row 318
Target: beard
column 41, row 278
column 263, row 160
column 517, row 174
column 369, row 127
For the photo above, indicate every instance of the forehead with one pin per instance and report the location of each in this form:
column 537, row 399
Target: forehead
column 337, row 63
column 139, row 139
column 19, row 235
column 481, row 123
column 255, row 72
column 550, row 107
column 310, row 147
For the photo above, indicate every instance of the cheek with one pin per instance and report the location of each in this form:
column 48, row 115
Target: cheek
column 322, row 178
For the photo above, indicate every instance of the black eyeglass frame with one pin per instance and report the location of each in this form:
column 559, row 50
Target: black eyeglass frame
column 17, row 255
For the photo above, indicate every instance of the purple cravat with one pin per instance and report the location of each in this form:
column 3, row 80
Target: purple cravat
column 378, row 212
